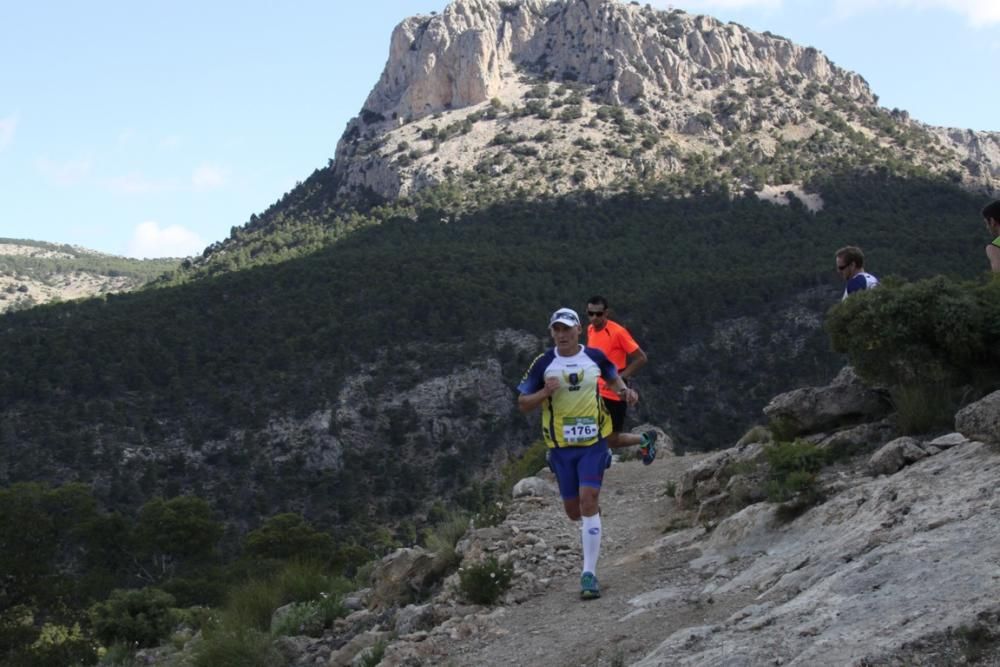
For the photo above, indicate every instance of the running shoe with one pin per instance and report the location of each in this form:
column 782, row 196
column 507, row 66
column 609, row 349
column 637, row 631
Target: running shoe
column 647, row 448
column 589, row 590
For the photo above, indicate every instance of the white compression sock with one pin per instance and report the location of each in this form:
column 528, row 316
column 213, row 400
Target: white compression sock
column 591, row 534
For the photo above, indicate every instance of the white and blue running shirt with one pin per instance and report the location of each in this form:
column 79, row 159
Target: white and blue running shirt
column 574, row 416
column 861, row 281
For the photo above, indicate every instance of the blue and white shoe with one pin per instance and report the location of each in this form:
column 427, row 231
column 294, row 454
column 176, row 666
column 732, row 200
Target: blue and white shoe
column 589, row 589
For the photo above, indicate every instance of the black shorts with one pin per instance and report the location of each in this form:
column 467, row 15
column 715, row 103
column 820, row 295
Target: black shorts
column 617, row 410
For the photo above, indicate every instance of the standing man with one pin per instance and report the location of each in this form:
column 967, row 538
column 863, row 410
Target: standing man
column 991, row 215
column 851, row 267
column 617, row 344
column 575, row 425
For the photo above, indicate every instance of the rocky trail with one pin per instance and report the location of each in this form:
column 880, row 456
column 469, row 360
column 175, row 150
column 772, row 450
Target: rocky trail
column 647, row 588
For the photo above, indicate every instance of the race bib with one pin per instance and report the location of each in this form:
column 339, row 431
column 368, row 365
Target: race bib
column 579, row 429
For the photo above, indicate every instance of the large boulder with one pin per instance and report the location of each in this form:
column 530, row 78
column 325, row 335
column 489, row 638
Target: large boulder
column 403, row 577
column 896, row 454
column 843, row 402
column 981, row 420
column 533, row 486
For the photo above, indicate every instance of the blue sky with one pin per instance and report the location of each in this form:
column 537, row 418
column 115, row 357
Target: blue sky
column 151, row 128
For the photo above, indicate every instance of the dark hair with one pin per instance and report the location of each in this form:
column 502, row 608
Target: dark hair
column 852, row 254
column 992, row 211
column 597, row 299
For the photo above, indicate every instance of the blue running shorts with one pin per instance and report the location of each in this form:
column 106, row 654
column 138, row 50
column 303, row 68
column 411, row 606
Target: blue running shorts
column 579, row 466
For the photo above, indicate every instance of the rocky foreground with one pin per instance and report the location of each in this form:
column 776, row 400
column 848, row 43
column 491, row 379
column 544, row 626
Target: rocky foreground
column 893, row 562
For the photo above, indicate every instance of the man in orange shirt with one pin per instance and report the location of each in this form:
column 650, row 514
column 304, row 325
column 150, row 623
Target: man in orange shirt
column 617, row 344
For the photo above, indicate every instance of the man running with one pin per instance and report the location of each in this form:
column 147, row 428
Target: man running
column 617, row 344
column 851, row 267
column 575, row 426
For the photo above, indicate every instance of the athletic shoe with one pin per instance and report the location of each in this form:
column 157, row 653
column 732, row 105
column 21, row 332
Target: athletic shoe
column 647, row 448
column 589, row 590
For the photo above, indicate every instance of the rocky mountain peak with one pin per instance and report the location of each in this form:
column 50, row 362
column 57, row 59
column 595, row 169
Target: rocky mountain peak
column 459, row 58
column 554, row 96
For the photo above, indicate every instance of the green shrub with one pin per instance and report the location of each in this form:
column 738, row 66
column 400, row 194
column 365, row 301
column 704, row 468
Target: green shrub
column 783, row 428
column 118, row 655
column 372, row 656
column 485, row 582
column 492, row 513
column 195, row 618
column 924, row 408
column 793, row 467
column 792, row 480
column 17, row 627
column 58, row 645
column 300, row 581
column 976, row 642
column 301, row 619
column 445, row 535
column 139, row 617
column 755, row 434
column 540, row 90
column 935, row 332
column 237, row 648
column 251, row 605
column 205, row 586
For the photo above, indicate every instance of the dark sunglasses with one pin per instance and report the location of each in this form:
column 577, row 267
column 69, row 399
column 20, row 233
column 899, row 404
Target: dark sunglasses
column 591, row 313
column 841, row 267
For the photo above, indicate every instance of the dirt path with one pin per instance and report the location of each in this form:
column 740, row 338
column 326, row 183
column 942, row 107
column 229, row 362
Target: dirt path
column 648, row 591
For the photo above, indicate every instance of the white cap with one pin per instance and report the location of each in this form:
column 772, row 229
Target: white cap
column 565, row 316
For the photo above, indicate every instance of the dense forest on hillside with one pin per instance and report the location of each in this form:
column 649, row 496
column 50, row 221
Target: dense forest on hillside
column 193, row 363
column 112, row 391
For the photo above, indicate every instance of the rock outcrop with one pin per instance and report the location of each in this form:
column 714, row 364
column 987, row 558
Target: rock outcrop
column 460, row 58
column 562, row 81
column 813, row 409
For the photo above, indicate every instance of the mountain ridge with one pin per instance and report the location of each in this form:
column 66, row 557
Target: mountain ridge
column 701, row 85
column 34, row 272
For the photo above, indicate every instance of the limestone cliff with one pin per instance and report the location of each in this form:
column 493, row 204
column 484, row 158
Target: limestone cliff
column 552, row 96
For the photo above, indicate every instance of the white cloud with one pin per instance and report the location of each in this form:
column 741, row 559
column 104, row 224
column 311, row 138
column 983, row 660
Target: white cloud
column 149, row 241
column 65, row 172
column 979, row 13
column 7, row 127
column 134, row 184
column 209, row 177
